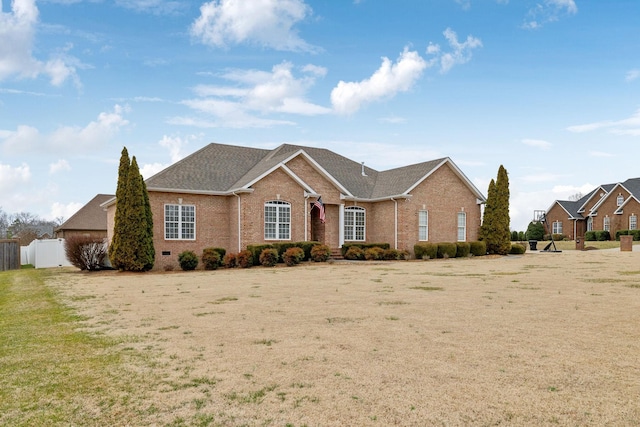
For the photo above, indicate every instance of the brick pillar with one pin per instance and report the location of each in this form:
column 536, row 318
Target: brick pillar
column 626, row 243
column 580, row 243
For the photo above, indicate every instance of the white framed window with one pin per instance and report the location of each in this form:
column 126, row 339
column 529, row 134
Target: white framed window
column 590, row 223
column 354, row 223
column 179, row 222
column 423, row 225
column 606, row 224
column 557, row 227
column 462, row 226
column 620, row 200
column 633, row 222
column 277, row 220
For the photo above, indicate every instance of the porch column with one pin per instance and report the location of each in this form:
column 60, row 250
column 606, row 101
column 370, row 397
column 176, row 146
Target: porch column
column 341, row 225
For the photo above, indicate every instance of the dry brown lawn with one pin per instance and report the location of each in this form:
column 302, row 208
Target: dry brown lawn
column 539, row 339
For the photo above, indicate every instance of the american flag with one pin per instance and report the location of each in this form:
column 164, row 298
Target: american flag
column 318, row 204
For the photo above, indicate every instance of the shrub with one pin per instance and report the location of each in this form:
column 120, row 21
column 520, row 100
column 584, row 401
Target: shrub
column 188, row 260
column 514, row 236
column 636, row 234
column 363, row 246
column 320, row 253
column 447, row 250
column 390, row 254
column 244, row 259
column 403, row 254
column 307, row 247
column 229, row 260
column 590, row 236
column 269, row 257
column 293, row 256
column 521, row 236
column 602, row 235
column 373, row 254
column 354, row 253
column 462, row 249
column 86, row 253
column 211, row 258
column 517, row 249
column 478, row 248
column 426, row 250
column 256, row 251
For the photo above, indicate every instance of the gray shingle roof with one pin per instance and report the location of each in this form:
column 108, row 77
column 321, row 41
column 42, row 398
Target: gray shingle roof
column 224, row 168
column 90, row 217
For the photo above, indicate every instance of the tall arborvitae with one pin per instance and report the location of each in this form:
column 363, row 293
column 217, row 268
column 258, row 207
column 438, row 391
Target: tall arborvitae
column 151, row 251
column 136, row 237
column 502, row 219
column 132, row 248
column 488, row 217
column 115, row 247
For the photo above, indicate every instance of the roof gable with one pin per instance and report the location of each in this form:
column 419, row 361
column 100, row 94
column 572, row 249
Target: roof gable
column 91, row 216
column 224, row 169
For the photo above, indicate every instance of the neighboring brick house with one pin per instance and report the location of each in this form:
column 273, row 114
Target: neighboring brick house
column 231, row 196
column 90, row 220
column 610, row 207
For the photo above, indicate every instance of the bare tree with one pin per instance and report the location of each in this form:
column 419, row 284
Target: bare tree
column 576, row 197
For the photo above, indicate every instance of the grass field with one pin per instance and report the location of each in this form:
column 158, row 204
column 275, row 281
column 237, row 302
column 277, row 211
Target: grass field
column 538, row 339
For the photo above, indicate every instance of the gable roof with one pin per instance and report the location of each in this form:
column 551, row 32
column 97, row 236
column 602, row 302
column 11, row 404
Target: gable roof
column 576, row 209
column 225, row 169
column 91, row 216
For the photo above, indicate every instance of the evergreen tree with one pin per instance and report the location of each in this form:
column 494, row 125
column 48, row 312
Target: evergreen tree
column 486, row 230
column 495, row 220
column 502, row 219
column 132, row 248
column 116, row 255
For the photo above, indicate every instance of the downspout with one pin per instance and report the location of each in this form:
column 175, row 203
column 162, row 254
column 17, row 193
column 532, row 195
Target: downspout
column 306, row 216
column 239, row 224
column 395, row 231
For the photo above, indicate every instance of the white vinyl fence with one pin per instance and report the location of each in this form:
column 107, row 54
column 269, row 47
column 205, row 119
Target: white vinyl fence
column 45, row 253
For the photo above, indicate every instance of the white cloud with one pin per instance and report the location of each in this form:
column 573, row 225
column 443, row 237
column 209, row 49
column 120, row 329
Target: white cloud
column 460, row 53
column 629, row 126
column 59, row 166
column 537, row 143
column 255, row 92
column 59, row 210
column 16, row 58
column 386, row 82
column 266, row 23
column 549, row 11
column 393, row 120
column 93, row 135
column 13, row 177
column 176, row 147
column 149, row 169
column 632, row 75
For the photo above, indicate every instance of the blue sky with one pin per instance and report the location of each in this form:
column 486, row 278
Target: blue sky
column 549, row 88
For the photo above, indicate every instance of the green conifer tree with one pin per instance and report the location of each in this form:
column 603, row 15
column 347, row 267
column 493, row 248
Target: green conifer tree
column 135, row 240
column 486, row 230
column 149, row 248
column 502, row 219
column 116, row 255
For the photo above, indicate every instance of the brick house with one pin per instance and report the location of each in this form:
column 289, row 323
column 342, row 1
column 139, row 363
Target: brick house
column 232, row 196
column 90, row 220
column 610, row 207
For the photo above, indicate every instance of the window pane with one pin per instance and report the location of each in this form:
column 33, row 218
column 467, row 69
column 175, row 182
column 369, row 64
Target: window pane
column 633, row 222
column 423, row 225
column 462, row 226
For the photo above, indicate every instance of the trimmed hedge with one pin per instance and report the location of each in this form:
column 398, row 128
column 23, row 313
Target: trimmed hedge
column 354, row 253
column 373, row 254
column 363, row 246
column 517, row 249
column 229, row 260
column 281, row 247
column 188, row 260
column 478, row 248
column 447, row 250
column 603, row 236
column 269, row 257
column 244, row 259
column 425, row 250
column 390, row 254
column 212, row 257
column 634, row 233
column 590, row 236
column 320, row 253
column 462, row 249
column 293, row 256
